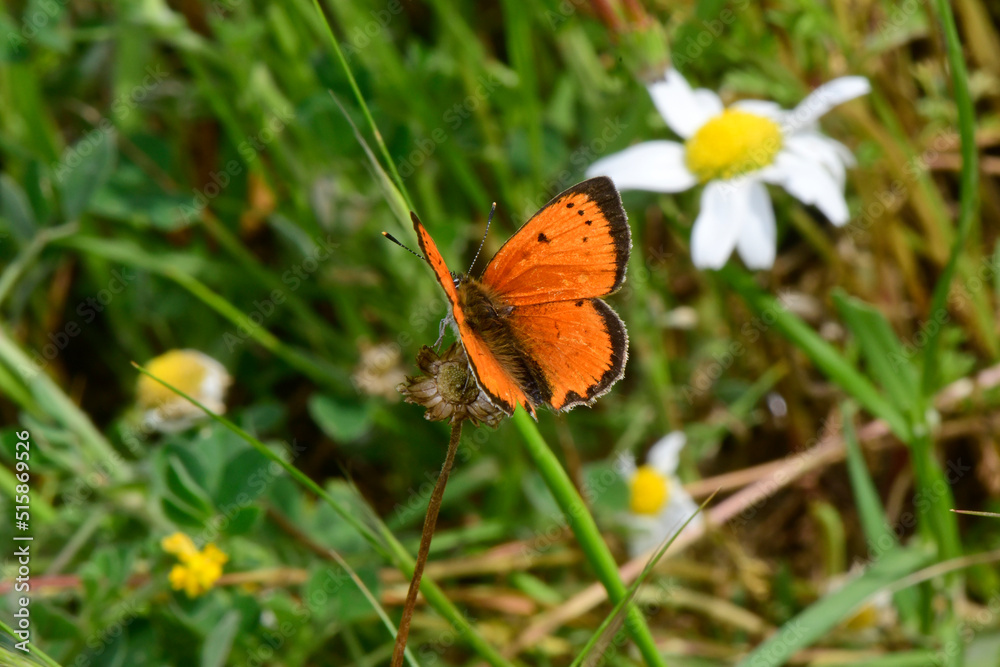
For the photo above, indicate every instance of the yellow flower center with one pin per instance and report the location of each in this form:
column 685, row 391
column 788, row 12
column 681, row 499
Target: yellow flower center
column 650, row 491
column 183, row 369
column 866, row 617
column 732, row 144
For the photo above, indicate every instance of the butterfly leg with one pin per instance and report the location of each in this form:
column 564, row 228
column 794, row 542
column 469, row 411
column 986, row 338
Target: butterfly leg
column 441, row 327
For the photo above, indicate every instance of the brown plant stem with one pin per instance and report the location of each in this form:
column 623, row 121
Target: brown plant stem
column 430, row 521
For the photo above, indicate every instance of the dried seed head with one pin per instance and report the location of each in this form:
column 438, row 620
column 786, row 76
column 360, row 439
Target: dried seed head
column 448, row 390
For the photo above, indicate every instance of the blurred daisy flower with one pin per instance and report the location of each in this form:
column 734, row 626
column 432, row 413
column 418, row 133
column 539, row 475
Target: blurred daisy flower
column 196, row 374
column 379, row 370
column 658, row 503
column 876, row 613
column 198, row 570
column 733, row 151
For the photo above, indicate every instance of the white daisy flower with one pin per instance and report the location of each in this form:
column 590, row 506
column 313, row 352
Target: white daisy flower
column 196, row 374
column 658, row 503
column 733, row 152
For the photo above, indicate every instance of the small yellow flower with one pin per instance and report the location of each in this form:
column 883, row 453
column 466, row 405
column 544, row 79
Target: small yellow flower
column 178, row 544
column 196, row 374
column 198, row 570
column 649, row 490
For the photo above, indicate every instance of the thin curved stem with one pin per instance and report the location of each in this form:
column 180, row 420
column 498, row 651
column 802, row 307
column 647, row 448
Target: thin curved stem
column 430, row 521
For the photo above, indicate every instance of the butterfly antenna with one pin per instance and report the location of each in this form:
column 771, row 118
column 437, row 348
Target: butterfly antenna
column 396, row 241
column 483, row 242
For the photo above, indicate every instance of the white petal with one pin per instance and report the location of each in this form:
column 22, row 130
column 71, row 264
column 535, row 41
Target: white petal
column 708, row 102
column 717, row 227
column 625, row 465
column 824, row 98
column 764, row 108
column 758, row 239
column 665, row 454
column 821, row 149
column 810, row 183
column 683, row 109
column 657, row 166
column 678, row 509
column 644, row 533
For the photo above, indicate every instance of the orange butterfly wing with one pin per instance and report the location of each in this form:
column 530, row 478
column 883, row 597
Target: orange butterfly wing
column 492, row 377
column 576, row 247
column 581, row 347
column 550, row 340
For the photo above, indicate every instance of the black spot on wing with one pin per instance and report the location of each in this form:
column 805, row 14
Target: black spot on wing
column 542, row 238
column 602, row 192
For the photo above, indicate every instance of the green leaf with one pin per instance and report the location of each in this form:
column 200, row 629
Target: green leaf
column 185, row 488
column 341, row 421
column 183, row 514
column 244, row 477
column 219, row 641
column 242, row 521
column 345, row 601
column 15, row 209
column 887, row 360
column 823, row 615
column 83, row 169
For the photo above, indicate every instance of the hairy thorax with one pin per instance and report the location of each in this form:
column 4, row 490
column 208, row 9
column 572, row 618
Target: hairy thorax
column 488, row 315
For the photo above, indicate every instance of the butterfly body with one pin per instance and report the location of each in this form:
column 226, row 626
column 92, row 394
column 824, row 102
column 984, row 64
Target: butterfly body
column 533, row 326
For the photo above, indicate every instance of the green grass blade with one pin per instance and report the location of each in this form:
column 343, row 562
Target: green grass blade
column 873, row 519
column 51, row 398
column 338, row 52
column 389, row 547
column 969, row 184
column 588, row 536
column 826, row 358
column 813, row 623
column 882, row 351
column 180, row 272
column 616, row 611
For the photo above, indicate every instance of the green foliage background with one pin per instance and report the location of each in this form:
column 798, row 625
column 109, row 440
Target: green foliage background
column 178, row 175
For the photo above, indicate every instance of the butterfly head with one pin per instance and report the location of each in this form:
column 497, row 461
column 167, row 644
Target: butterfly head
column 457, row 278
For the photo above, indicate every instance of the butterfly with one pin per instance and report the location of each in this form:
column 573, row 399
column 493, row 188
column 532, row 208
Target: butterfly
column 533, row 325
